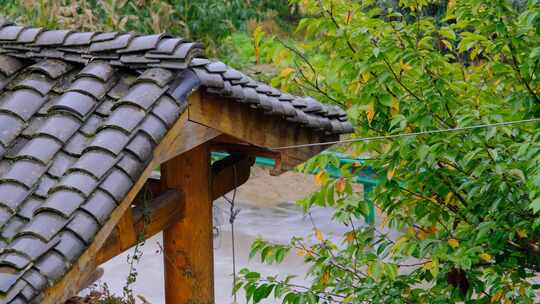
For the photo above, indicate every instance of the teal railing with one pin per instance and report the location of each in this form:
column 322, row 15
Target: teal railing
column 367, row 176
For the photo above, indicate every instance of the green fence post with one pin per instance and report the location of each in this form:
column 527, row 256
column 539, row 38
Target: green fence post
column 370, row 217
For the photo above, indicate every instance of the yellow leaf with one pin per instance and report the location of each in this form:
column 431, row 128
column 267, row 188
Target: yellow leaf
column 390, row 174
column 370, row 112
column 301, row 253
column 497, row 296
column 449, row 199
column 325, row 278
column 432, row 266
column 453, row 243
column 319, row 235
column 486, row 257
column 522, row 233
column 349, row 237
column 394, row 110
column 365, row 77
column 286, row 72
column 405, row 66
column 320, row 178
column 432, row 229
column 447, row 44
column 385, row 221
column 340, row 185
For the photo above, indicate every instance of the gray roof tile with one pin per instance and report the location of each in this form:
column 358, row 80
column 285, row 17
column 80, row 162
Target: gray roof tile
column 154, row 128
column 77, row 39
column 29, row 35
column 30, row 246
column 90, row 86
column 37, row 82
column 51, row 67
column 167, row 46
column 78, row 181
column 100, row 205
column 11, row 228
column 131, row 165
column 118, row 42
column 44, row 185
column 143, row 95
column 117, row 184
column 167, row 110
column 63, row 202
column 25, row 172
column 23, row 103
column 13, row 194
column 10, row 127
column 14, row 259
column 141, row 146
column 99, row 70
column 70, row 245
column 110, row 140
column 11, row 32
column 49, row 38
column 76, row 144
column 35, row 279
column 60, row 127
column 84, row 226
column 29, row 206
column 91, row 125
column 44, row 225
column 61, row 163
column 78, row 103
column 40, row 148
column 125, row 118
column 95, row 163
column 142, row 43
column 161, row 77
column 52, row 266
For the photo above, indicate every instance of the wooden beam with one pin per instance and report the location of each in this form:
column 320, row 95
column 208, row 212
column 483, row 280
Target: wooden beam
column 252, row 126
column 229, row 173
column 192, row 135
column 188, row 243
column 141, row 222
column 74, row 279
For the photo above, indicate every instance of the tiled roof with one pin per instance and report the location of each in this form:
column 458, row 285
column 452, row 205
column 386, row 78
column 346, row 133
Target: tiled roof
column 80, row 115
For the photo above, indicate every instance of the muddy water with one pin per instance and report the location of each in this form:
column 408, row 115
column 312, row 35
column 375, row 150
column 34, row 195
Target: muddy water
column 266, row 209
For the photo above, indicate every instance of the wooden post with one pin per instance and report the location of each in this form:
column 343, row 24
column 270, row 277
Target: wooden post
column 188, row 243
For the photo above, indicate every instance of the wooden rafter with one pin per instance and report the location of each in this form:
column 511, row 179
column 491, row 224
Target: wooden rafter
column 252, row 126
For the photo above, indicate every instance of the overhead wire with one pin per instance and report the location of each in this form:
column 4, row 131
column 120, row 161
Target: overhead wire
column 393, row 136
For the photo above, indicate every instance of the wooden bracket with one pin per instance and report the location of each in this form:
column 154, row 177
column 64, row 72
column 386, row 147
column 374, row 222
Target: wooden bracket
column 142, row 221
column 229, row 173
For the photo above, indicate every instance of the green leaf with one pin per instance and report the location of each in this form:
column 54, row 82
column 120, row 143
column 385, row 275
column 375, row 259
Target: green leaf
column 535, row 205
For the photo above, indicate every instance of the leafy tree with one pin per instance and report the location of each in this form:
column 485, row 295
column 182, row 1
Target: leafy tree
column 462, row 204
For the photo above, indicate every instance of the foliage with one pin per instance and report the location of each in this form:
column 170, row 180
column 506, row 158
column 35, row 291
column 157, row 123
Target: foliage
column 206, row 20
column 458, row 211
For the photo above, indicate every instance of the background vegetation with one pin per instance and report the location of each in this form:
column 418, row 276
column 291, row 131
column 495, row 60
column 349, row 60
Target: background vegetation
column 462, row 207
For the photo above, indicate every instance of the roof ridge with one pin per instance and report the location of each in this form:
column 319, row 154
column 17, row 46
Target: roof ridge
column 122, row 49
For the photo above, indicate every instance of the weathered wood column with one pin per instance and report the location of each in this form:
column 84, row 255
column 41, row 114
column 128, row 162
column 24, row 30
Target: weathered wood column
column 188, row 243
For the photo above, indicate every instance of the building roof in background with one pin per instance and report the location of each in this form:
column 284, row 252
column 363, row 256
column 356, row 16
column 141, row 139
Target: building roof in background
column 80, row 116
